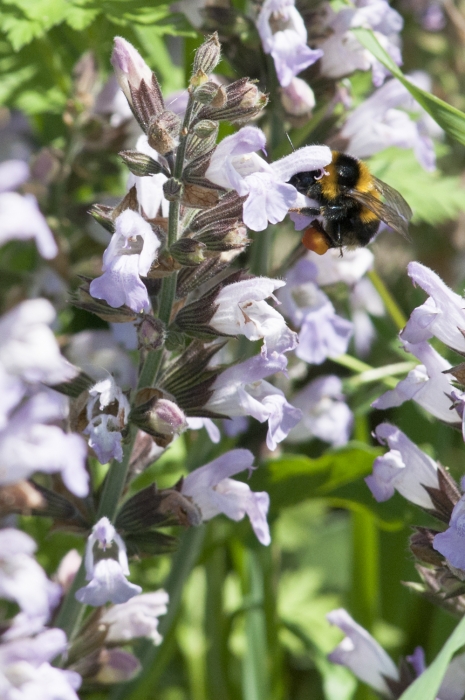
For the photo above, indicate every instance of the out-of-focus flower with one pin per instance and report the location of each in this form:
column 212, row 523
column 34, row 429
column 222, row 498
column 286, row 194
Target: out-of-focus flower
column 284, row 36
column 130, row 253
column 404, row 468
column 451, row 543
column 106, row 576
column 68, row 569
column 29, row 443
column 297, row 98
column 343, row 54
column 364, row 302
column 211, row 489
column 23, row 581
column 442, row 315
column 26, row 670
column 241, row 391
column 99, row 354
column 199, row 423
column 138, row 617
column 235, row 165
column 322, row 332
column 28, row 348
column 104, row 427
column 20, row 216
column 426, row 384
column 131, row 69
column 362, row 654
column 325, row 414
column 378, row 123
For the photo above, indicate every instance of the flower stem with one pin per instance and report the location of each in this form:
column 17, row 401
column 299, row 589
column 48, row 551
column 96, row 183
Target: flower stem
column 390, row 303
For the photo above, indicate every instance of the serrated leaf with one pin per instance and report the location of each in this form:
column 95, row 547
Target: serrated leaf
column 427, row 685
column 23, row 20
column 451, row 119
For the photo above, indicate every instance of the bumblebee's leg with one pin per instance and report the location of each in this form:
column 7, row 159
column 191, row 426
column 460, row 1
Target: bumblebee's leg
column 306, row 211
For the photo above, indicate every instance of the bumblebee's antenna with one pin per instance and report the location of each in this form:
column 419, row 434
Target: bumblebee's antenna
column 289, row 139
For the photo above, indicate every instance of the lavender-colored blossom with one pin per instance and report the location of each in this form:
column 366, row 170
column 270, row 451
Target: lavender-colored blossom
column 23, row 581
column 241, row 391
column 364, row 302
column 130, row 68
column 26, row 672
column 442, row 315
column 29, row 444
column 199, row 423
column 20, row 216
column 297, row 98
column 322, row 332
column 99, row 354
column 426, row 384
column 241, row 309
column 111, row 101
column 332, row 268
column 28, row 348
column 325, row 414
column 211, row 489
column 362, row 654
column 104, row 428
column 405, row 468
column 284, row 36
column 343, row 54
column 378, row 123
column 116, row 666
column 149, row 188
column 131, row 252
column 451, row 543
column 107, row 576
column 235, row 165
column 138, row 617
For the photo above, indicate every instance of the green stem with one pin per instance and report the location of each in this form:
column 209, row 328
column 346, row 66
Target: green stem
column 390, row 303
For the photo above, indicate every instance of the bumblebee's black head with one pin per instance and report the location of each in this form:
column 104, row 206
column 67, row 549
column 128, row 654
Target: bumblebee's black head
column 302, row 181
column 347, row 170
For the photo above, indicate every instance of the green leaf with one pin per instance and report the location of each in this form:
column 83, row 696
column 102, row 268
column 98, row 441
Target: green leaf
column 452, row 120
column 427, row 685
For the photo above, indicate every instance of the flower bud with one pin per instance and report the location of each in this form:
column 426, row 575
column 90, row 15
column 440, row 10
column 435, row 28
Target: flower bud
column 150, row 333
column 297, row 98
column 172, row 189
column 163, row 132
column 243, row 102
column 199, row 197
column 208, row 55
column 229, row 206
column 226, row 235
column 190, row 278
column 103, row 216
column 210, row 94
column 159, row 417
column 198, row 78
column 108, row 666
column 137, row 81
column 421, row 544
column 188, row 251
column 141, row 165
column 205, row 128
column 153, row 507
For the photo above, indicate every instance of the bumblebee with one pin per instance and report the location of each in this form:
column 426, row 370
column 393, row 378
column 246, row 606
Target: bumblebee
column 350, row 204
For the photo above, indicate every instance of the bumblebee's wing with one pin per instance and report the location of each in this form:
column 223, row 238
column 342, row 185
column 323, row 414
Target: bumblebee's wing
column 395, row 211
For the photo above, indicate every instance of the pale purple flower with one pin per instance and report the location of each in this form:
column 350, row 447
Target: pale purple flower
column 118, row 666
column 13, row 173
column 241, row 309
column 211, row 489
column 453, row 682
column 426, row 384
column 138, row 617
column 130, row 68
column 325, row 415
column 405, row 468
column 23, row 581
column 28, row 348
column 106, row 576
column 130, row 253
column 451, row 543
column 20, row 216
column 364, row 302
column 343, row 54
column 26, row 672
column 322, row 332
column 386, row 119
column 199, row 423
column 284, row 36
column 29, row 443
column 235, row 165
column 68, row 568
column 112, row 101
column 362, row 654
column 104, row 428
column 99, row 354
column 442, row 315
column 241, row 391
column 297, row 98
column 150, row 188
column 332, row 268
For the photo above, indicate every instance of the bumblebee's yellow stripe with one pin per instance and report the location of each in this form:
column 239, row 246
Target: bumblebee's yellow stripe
column 328, row 183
